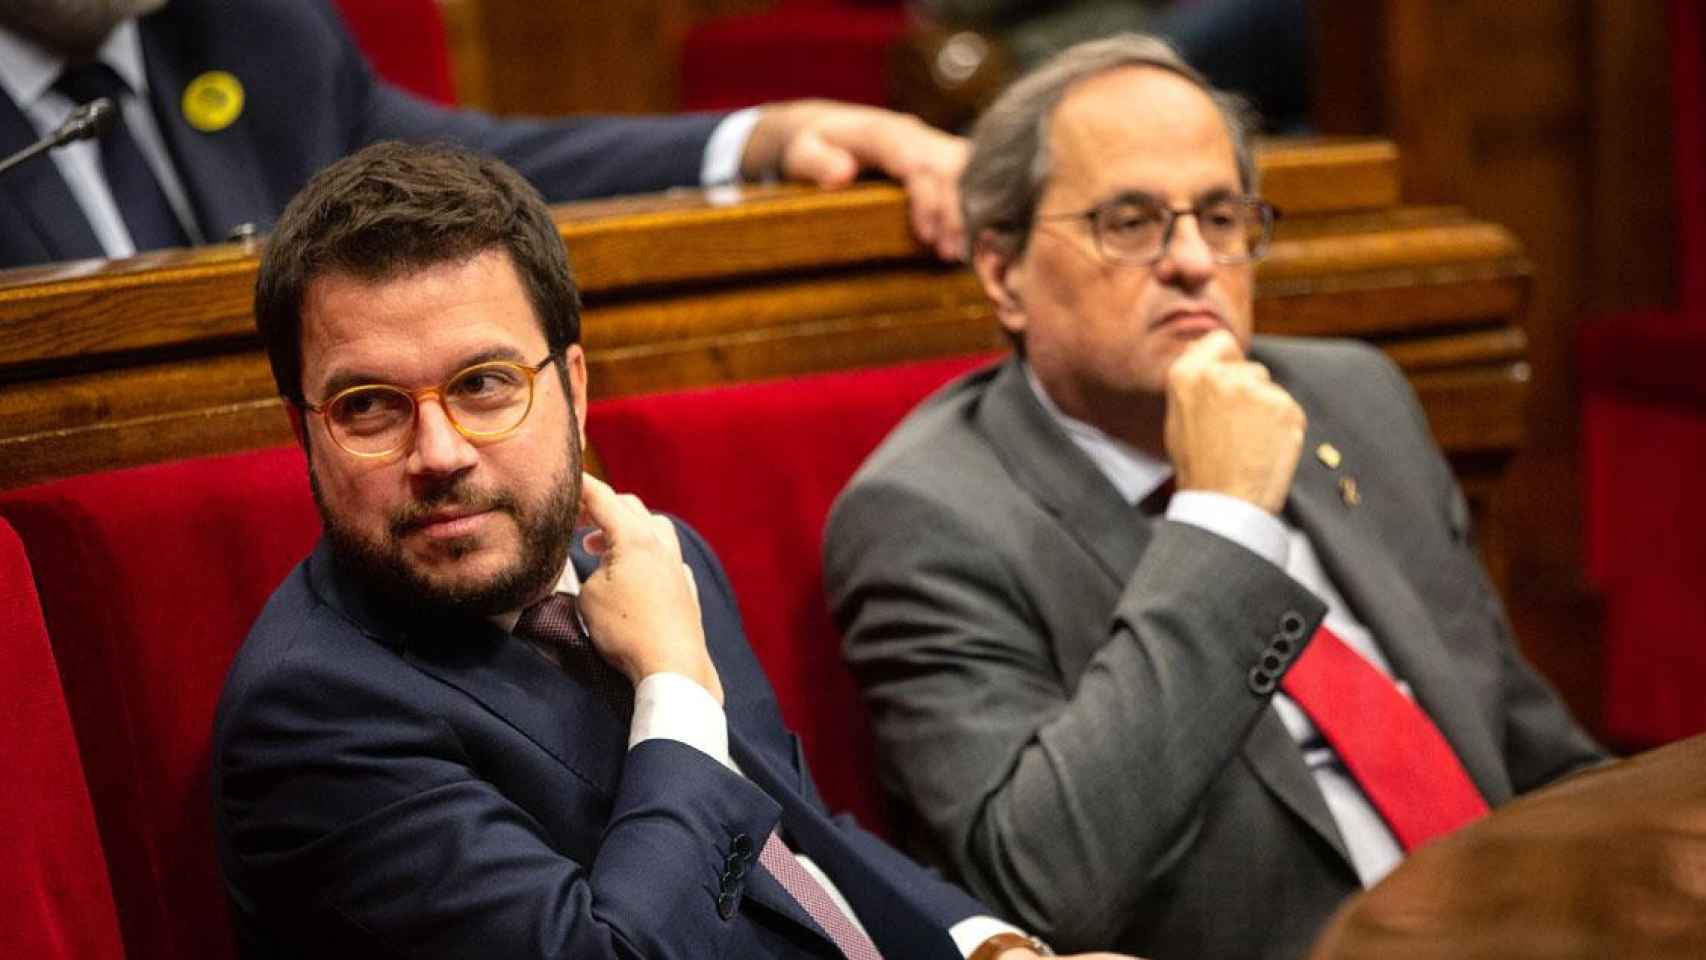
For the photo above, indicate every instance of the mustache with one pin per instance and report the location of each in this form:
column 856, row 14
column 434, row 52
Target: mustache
column 457, row 496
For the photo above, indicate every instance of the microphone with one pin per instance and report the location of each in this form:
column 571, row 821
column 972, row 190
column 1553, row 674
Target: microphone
column 91, row 120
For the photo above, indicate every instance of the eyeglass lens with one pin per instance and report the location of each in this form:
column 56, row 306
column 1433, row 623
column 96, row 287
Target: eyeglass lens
column 483, row 400
column 1233, row 229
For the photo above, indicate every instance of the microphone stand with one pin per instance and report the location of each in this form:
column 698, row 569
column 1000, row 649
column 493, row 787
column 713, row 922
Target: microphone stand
column 90, row 120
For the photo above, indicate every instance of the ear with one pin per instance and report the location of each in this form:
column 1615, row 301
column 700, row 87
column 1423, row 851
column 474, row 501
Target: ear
column 1001, row 275
column 574, row 361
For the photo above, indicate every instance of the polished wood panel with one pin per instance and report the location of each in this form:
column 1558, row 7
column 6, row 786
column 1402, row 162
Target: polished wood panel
column 109, row 364
column 590, row 56
column 1550, row 117
column 1602, row 864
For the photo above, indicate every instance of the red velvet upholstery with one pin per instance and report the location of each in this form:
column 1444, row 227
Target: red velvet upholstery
column 405, row 43
column 1644, row 453
column 754, row 468
column 55, row 901
column 798, row 49
column 149, row 579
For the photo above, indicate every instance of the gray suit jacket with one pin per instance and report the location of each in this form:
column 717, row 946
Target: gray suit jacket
column 1070, row 700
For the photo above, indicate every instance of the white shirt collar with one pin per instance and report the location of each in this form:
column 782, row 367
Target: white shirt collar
column 28, row 70
column 1134, row 473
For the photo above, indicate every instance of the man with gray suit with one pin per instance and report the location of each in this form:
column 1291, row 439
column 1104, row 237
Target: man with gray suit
column 1180, row 724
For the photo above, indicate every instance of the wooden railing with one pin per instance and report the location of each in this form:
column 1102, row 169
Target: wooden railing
column 106, row 364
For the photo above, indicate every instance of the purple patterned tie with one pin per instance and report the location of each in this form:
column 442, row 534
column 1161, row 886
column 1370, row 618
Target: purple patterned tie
column 785, row 867
column 554, row 626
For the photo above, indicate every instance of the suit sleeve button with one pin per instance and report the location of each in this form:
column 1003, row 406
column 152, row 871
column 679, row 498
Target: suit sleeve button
column 740, row 845
column 1261, row 682
column 1281, row 645
column 1291, row 625
column 726, row 903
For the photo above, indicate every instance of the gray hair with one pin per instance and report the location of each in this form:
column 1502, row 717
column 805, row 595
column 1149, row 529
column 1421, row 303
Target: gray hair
column 1009, row 162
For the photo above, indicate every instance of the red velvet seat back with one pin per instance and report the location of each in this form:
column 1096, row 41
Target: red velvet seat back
column 149, row 579
column 404, row 41
column 55, row 901
column 754, row 468
column 1644, row 448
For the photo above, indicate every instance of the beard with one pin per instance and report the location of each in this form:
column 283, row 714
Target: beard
column 71, row 28
column 383, row 567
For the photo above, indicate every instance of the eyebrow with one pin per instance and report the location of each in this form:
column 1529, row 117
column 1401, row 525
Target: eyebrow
column 344, row 379
column 1211, row 195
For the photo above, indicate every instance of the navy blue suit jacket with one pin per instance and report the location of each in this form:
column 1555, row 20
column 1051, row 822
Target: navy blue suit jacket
column 309, row 100
column 383, row 787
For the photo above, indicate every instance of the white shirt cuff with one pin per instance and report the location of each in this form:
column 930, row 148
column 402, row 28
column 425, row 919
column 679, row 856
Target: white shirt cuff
column 1237, row 520
column 669, row 706
column 723, row 151
column 970, row 933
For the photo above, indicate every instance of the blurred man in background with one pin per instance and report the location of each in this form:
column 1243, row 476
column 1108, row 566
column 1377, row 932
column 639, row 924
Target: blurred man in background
column 227, row 107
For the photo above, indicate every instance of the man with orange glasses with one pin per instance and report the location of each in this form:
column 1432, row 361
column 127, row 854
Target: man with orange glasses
column 461, row 728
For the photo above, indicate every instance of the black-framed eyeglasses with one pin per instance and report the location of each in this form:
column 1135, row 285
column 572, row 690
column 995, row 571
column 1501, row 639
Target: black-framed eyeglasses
column 1137, row 230
column 484, row 402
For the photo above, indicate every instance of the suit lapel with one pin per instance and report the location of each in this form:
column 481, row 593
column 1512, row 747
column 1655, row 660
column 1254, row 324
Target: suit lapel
column 505, row 675
column 1053, row 471
column 514, row 682
column 1351, row 551
column 220, row 170
column 41, row 196
column 1276, row 760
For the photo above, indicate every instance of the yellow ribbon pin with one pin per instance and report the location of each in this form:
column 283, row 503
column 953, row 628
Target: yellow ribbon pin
column 213, row 101
column 1328, row 455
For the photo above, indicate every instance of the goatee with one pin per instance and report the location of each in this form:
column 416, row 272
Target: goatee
column 546, row 531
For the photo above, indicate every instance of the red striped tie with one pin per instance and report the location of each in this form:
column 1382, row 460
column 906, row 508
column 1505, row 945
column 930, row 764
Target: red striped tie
column 1397, row 755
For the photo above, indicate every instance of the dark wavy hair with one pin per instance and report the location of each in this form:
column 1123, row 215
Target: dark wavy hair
column 394, row 208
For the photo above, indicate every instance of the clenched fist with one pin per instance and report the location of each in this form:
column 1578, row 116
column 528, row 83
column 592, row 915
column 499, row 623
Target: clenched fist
column 640, row 605
column 1230, row 429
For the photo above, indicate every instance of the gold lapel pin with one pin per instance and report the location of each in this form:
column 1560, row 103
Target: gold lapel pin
column 1348, row 491
column 1328, row 455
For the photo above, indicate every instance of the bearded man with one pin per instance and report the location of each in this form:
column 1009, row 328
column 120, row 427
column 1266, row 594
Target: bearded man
column 462, row 728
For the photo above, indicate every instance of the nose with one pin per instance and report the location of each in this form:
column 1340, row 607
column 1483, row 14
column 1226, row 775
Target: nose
column 1187, row 261
column 438, row 448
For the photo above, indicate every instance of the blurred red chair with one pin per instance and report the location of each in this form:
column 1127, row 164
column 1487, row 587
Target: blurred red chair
column 1644, row 454
column 149, row 579
column 754, row 468
column 55, row 901
column 405, row 43
column 801, row 48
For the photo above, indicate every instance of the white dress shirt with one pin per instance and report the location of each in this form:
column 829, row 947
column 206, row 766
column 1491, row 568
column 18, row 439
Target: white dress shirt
column 1134, row 474
column 671, row 706
column 28, row 73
